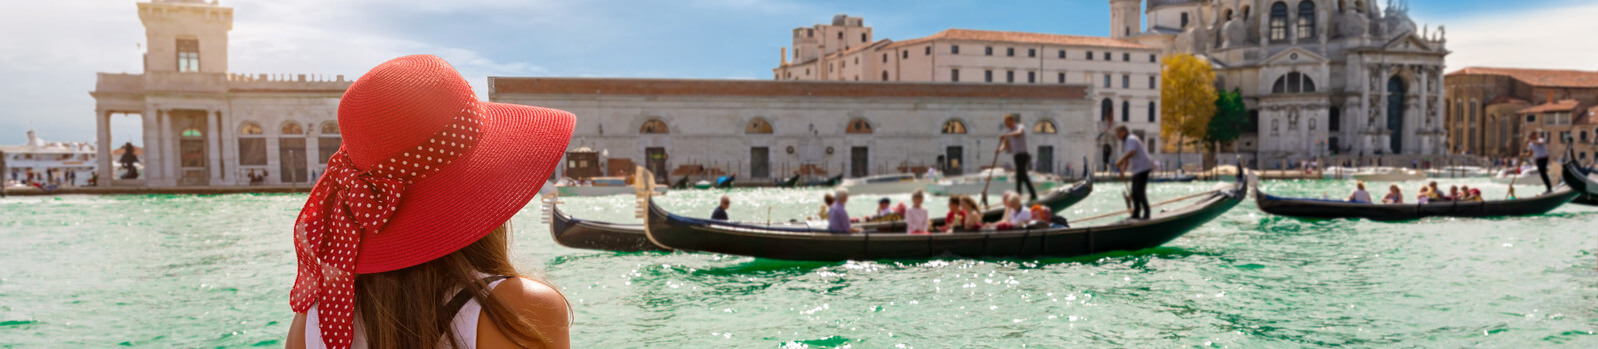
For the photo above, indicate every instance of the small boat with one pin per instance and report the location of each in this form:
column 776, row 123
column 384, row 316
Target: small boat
column 1459, row 172
column 725, row 182
column 600, row 186
column 577, row 233
column 702, row 184
column 1583, row 177
column 884, row 184
column 789, row 183
column 1523, row 175
column 681, row 183
column 830, row 182
column 1328, row 209
column 1388, row 174
column 1338, row 172
column 972, row 184
column 811, row 244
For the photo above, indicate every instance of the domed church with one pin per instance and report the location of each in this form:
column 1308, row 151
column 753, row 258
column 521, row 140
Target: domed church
column 1319, row 77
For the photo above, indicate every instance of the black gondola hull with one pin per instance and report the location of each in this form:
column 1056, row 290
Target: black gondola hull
column 1577, row 176
column 695, row 234
column 1328, row 209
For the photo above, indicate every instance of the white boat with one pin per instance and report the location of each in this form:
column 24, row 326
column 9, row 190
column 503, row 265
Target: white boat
column 1339, row 172
column 1459, row 172
column 972, row 184
column 1388, row 174
column 884, row 184
column 601, row 186
column 1526, row 175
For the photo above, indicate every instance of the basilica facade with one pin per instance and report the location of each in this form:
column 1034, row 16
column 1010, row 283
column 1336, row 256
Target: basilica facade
column 1319, row 77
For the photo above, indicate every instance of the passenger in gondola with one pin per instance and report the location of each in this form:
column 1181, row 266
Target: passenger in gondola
column 1474, row 196
column 1359, row 196
column 916, row 220
column 884, row 208
column 838, row 216
column 955, row 217
column 1394, row 196
column 1015, row 215
column 973, row 214
column 721, row 210
column 1425, row 195
column 1464, row 192
column 1453, row 193
column 826, row 205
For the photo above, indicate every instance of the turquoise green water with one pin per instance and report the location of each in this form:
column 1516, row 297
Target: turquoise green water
column 214, row 271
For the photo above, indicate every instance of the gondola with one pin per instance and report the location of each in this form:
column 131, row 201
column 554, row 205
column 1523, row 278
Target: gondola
column 1174, row 178
column 830, row 182
column 725, row 182
column 1329, row 209
column 1583, row 177
column 681, row 183
column 813, row 244
column 578, row 233
column 789, row 183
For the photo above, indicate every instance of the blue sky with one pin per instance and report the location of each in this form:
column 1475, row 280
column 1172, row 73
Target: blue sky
column 51, row 49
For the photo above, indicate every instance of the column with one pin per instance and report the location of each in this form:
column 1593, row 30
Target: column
column 152, row 146
column 213, row 146
column 1425, row 125
column 1380, row 93
column 102, row 147
column 169, row 150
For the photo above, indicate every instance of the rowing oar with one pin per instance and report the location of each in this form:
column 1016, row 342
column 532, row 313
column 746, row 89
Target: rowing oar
column 990, row 173
column 1520, row 164
column 1151, row 207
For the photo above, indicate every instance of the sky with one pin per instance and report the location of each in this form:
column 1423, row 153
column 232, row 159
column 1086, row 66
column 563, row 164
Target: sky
column 51, row 50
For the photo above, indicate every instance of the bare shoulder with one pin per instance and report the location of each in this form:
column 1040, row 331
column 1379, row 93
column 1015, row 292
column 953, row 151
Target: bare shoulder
column 543, row 306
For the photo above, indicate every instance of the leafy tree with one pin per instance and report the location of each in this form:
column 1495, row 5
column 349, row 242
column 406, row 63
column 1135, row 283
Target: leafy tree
column 1187, row 98
column 1227, row 124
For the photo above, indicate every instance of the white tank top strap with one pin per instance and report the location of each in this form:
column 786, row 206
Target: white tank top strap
column 464, row 325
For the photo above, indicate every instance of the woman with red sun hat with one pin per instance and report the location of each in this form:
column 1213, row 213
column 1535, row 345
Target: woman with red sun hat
column 404, row 241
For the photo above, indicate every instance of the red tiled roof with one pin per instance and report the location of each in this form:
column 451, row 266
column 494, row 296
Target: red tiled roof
column 1564, row 105
column 687, row 87
column 1538, row 77
column 1024, row 38
column 1507, row 99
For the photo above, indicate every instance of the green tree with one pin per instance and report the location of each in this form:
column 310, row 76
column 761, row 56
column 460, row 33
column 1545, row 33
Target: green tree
column 1187, row 98
column 1227, row 124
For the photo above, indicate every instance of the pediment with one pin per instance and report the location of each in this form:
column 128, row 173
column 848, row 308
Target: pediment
column 1408, row 43
column 1295, row 55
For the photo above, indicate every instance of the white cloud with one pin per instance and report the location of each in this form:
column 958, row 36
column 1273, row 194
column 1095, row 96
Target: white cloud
column 1549, row 38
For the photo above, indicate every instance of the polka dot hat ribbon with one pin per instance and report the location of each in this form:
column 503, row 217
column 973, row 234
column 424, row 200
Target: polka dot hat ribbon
column 348, row 202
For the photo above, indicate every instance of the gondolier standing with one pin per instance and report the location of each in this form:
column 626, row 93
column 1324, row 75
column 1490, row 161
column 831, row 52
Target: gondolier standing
column 1014, row 138
column 1137, row 160
column 1538, row 147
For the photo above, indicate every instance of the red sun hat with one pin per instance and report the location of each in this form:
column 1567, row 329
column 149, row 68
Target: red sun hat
column 424, row 170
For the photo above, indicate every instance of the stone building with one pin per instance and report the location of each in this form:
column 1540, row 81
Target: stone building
column 766, row 130
column 1319, row 77
column 206, row 126
column 1491, row 110
column 1124, row 75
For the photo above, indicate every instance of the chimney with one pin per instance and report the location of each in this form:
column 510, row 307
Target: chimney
column 784, row 56
column 1550, row 97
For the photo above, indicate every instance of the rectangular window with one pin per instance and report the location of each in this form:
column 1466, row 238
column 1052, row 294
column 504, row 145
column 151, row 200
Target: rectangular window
column 1090, row 55
column 1151, row 59
column 1062, row 54
column 188, row 55
column 326, row 146
column 1031, row 52
column 954, row 75
column 1106, row 80
column 252, row 151
column 954, row 49
column 988, row 51
column 1062, row 78
column 1107, row 56
column 1152, row 84
column 1126, row 81
column 1009, row 52
column 929, row 50
column 1126, row 57
column 987, row 76
column 1009, row 76
column 884, row 58
column 1031, row 77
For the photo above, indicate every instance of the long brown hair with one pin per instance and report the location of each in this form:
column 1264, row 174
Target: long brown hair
column 407, row 308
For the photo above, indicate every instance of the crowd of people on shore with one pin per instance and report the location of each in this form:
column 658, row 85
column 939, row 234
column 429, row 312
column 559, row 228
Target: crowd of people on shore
column 48, row 180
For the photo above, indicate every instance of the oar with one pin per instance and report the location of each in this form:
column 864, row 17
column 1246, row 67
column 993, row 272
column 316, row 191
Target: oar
column 990, row 173
column 1151, row 207
column 1513, row 179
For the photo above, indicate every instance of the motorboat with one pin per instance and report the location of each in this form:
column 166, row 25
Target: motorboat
column 1521, row 175
column 1459, row 172
column 884, row 184
column 972, row 184
column 1388, row 174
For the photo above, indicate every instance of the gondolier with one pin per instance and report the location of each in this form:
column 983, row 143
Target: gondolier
column 1137, row 160
column 1538, row 147
column 1014, row 139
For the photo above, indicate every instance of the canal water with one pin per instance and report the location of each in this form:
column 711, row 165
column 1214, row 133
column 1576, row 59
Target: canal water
column 214, row 271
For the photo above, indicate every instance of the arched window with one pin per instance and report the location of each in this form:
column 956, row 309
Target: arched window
column 1278, row 21
column 250, row 128
column 1126, row 111
column 330, row 128
column 1228, row 15
column 1474, row 105
column 1047, row 127
column 884, row 76
column 953, row 127
column 1306, row 19
column 1152, row 111
column 1107, row 111
column 858, row 126
column 191, row 133
column 1184, row 20
column 329, row 142
column 758, row 126
column 292, row 128
column 1294, row 82
column 654, row 126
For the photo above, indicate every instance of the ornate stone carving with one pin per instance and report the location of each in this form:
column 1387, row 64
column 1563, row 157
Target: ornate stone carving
column 1354, row 24
column 1234, row 33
